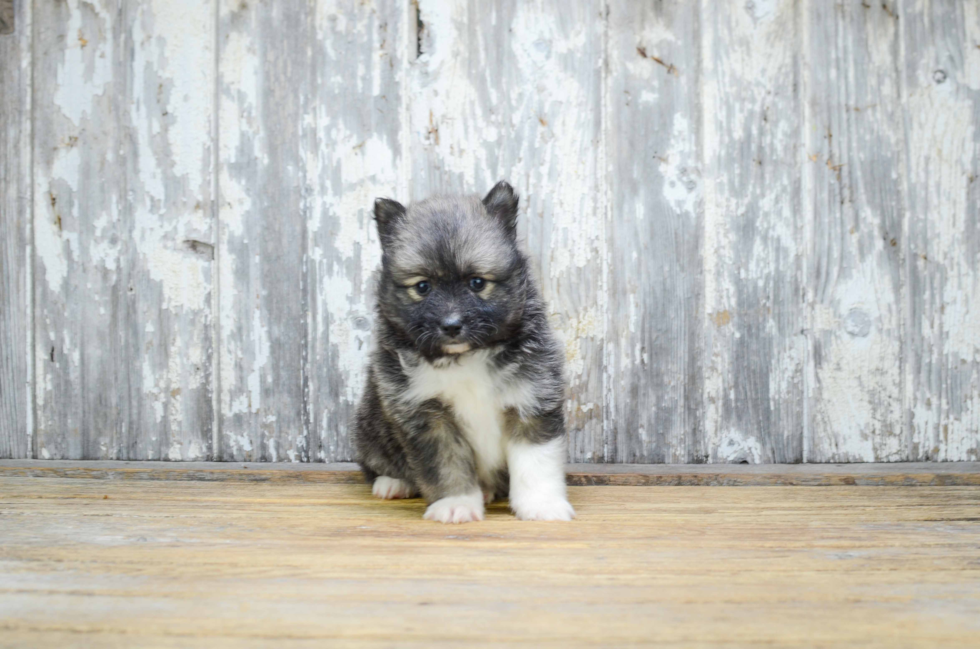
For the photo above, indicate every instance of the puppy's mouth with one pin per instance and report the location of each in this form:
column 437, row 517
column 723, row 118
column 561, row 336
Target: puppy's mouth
column 456, row 348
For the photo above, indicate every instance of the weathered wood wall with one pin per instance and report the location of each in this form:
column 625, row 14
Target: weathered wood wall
column 757, row 224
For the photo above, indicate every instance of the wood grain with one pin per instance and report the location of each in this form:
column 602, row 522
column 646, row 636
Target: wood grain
column 512, row 91
column 853, row 214
column 754, row 343
column 942, row 245
column 210, row 564
column 16, row 313
column 655, row 315
column 122, row 229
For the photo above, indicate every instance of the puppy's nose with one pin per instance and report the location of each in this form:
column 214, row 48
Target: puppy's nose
column 452, row 326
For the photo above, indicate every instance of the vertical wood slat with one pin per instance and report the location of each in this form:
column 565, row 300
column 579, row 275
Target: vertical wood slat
column 854, row 238
column 122, row 176
column 15, row 228
column 512, row 91
column 306, row 146
column 755, row 348
column 655, row 298
column 942, row 246
column 266, row 134
column 358, row 147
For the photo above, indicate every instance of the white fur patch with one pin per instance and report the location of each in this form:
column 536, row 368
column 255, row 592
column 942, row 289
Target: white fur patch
column 537, row 481
column 392, row 488
column 467, row 508
column 479, row 396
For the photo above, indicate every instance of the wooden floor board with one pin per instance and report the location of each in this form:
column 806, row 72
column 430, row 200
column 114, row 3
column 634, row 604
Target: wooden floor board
column 624, row 475
column 163, row 563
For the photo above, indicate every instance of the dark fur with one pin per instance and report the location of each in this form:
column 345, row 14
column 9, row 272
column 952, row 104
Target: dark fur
column 451, row 238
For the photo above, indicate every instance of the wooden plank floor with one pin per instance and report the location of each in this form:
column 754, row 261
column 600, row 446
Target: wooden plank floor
column 123, row 563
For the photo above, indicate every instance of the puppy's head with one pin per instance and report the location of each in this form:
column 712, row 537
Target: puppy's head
column 452, row 277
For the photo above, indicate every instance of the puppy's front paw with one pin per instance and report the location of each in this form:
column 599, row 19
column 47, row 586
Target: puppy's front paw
column 456, row 509
column 554, row 509
column 392, row 488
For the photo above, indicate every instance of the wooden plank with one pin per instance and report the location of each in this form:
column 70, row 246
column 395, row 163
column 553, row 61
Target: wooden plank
column 16, row 407
column 137, row 563
column 510, row 90
column 942, row 243
column 755, row 347
column 655, row 301
column 358, row 156
column 886, row 474
column 122, row 182
column 853, row 218
column 306, row 150
column 266, row 140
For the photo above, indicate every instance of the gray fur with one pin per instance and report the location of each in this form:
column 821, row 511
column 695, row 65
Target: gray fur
column 450, row 240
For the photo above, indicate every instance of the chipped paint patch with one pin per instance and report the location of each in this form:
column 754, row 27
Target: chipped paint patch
column 736, row 447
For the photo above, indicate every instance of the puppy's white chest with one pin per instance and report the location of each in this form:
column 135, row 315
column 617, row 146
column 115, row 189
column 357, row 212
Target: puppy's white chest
column 478, row 398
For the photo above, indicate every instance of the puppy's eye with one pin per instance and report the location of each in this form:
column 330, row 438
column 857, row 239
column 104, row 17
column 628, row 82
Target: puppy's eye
column 477, row 284
column 423, row 287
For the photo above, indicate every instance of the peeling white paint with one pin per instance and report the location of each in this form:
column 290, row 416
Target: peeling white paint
column 524, row 94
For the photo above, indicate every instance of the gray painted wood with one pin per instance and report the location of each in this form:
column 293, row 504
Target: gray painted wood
column 267, row 149
column 755, row 346
column 942, row 246
column 16, row 426
column 305, row 149
column 655, row 312
column 756, row 224
column 853, row 217
column 512, row 91
column 359, row 152
column 122, row 229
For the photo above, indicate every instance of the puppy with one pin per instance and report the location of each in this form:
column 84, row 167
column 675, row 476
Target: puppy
column 465, row 395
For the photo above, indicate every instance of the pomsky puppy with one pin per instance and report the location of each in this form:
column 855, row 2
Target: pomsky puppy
column 465, row 396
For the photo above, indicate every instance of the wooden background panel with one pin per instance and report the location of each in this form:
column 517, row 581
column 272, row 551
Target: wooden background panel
column 853, row 213
column 755, row 347
column 266, row 140
column 16, row 425
column 942, row 341
column 756, row 226
column 512, row 91
column 122, row 177
column 655, row 307
column 357, row 155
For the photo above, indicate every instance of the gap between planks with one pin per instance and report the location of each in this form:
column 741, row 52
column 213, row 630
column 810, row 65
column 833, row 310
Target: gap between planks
column 905, row 474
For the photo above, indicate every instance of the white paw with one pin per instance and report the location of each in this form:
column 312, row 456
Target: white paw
column 555, row 509
column 392, row 488
column 456, row 509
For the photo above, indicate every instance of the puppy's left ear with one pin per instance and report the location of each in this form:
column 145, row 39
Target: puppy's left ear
column 501, row 203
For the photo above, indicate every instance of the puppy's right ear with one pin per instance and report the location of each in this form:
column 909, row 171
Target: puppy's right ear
column 387, row 213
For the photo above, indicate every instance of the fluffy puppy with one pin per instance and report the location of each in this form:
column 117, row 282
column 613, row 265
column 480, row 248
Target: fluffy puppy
column 464, row 398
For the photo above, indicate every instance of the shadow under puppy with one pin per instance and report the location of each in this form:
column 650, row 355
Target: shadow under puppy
column 465, row 396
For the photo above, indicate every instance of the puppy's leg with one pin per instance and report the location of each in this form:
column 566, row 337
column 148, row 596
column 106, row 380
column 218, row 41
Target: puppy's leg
column 537, row 472
column 446, row 471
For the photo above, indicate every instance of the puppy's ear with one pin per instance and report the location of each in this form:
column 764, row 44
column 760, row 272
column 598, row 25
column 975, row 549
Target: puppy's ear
column 388, row 214
column 501, row 203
